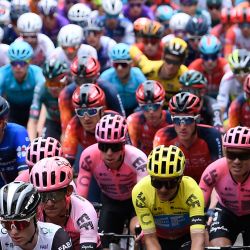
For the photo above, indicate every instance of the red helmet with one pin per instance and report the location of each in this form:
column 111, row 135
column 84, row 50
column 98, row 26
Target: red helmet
column 247, row 85
column 243, row 15
column 88, row 95
column 228, row 15
column 87, row 67
column 139, row 24
column 150, row 91
column 184, row 102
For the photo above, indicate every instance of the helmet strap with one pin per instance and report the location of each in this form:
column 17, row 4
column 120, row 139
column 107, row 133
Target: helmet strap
column 34, row 234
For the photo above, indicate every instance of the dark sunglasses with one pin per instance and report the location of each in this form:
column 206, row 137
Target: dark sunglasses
column 122, row 64
column 240, row 71
column 150, row 106
column 244, row 25
column 93, row 32
column 193, row 38
column 207, row 57
column 185, row 120
column 17, row 224
column 81, row 112
column 115, row 147
column 151, row 41
column 53, row 196
column 133, row 5
column 173, row 62
column 29, row 36
column 214, row 6
column 19, row 63
column 168, row 184
column 241, row 156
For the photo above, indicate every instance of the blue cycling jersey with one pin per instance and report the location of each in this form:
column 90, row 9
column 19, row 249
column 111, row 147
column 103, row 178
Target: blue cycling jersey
column 19, row 93
column 13, row 151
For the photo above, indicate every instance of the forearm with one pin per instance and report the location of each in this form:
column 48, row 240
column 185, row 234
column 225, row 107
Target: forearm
column 198, row 240
column 32, row 128
column 151, row 242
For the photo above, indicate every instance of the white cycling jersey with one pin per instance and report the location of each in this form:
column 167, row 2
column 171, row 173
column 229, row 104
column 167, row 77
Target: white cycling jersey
column 4, row 59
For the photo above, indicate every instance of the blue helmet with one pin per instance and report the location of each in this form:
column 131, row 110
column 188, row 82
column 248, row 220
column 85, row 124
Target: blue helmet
column 20, row 51
column 164, row 13
column 120, row 52
column 209, row 44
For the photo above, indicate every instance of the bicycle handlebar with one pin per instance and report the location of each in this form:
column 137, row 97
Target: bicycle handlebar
column 228, row 248
column 124, row 236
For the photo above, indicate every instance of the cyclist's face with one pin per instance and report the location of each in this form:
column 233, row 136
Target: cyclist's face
column 151, row 46
column 122, row 69
column 172, row 65
column 189, row 9
column 153, row 117
column 20, row 71
column 209, row 64
column 93, row 38
column 245, row 29
column 89, row 123
column 112, row 159
column 71, row 52
column 31, row 39
column 135, row 7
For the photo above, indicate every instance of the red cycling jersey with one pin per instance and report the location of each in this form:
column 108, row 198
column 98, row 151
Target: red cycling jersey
column 141, row 133
column 204, row 150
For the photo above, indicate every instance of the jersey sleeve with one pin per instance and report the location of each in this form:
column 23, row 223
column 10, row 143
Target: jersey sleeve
column 229, row 41
column 160, row 138
column 39, row 77
column 61, row 240
column 36, row 105
column 234, row 113
column 133, row 129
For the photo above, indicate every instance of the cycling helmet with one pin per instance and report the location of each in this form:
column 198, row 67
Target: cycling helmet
column 47, row 7
column 209, row 44
column 228, row 16
column 188, row 2
column 20, row 51
column 194, row 79
column 139, row 23
column 1, row 34
column 166, row 162
column 120, row 52
column 243, row 15
column 29, row 23
column 53, row 68
column 4, row 108
column 238, row 137
column 179, row 21
column 164, row 13
column 88, row 95
column 51, row 173
column 94, row 23
column 247, row 85
column 239, row 59
column 18, row 201
column 4, row 12
column 112, row 7
column 78, row 14
column 177, row 47
column 40, row 148
column 150, row 91
column 87, row 67
column 111, row 129
column 197, row 26
column 184, row 102
column 70, row 35
column 152, row 29
column 17, row 8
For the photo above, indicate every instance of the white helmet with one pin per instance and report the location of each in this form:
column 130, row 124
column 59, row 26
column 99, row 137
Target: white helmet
column 70, row 35
column 29, row 23
column 1, row 34
column 179, row 21
column 4, row 12
column 78, row 12
column 47, row 7
column 112, row 7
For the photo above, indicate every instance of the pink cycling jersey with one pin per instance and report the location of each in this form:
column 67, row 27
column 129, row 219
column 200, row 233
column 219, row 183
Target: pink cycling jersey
column 82, row 223
column 232, row 195
column 116, row 184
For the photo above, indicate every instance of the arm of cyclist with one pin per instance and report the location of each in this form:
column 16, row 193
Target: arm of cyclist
column 151, row 242
column 61, row 240
column 234, row 113
column 197, row 239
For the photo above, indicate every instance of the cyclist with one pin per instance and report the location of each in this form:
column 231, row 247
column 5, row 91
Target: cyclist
column 70, row 38
column 190, row 136
column 169, row 206
column 86, row 70
column 229, row 176
column 123, row 76
column 214, row 8
column 210, row 63
column 116, row 26
column 238, row 113
column 143, row 125
column 52, row 21
column 93, row 33
column 56, row 75
column 52, row 177
column 232, row 82
column 13, row 142
column 3, row 50
column 19, row 226
column 194, row 82
column 166, row 71
column 29, row 26
column 117, row 168
column 18, row 80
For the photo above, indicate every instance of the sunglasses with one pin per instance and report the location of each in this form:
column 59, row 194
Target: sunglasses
column 168, row 184
column 122, row 64
column 193, row 38
column 115, row 147
column 151, row 106
column 214, row 6
column 244, row 25
column 241, row 71
column 184, row 120
column 241, row 156
column 51, row 83
column 207, row 57
column 16, row 224
column 92, row 32
column 29, row 37
column 21, row 64
column 172, row 62
column 81, row 112
column 133, row 5
column 152, row 41
column 53, row 196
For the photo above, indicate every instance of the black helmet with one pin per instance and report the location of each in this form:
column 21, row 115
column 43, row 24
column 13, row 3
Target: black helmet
column 54, row 68
column 4, row 108
column 197, row 26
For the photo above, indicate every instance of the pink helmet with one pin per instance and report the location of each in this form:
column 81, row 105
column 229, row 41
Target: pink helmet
column 238, row 137
column 40, row 148
column 111, row 129
column 51, row 173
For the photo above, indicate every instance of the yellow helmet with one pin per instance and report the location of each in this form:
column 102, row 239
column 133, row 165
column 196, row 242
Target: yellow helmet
column 177, row 47
column 166, row 162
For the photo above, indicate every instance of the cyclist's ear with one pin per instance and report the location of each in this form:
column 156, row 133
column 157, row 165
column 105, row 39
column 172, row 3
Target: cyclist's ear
column 69, row 190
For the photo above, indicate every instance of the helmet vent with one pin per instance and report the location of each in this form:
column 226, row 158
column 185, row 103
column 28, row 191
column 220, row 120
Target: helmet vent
column 163, row 167
column 156, row 168
column 44, row 175
column 37, row 180
column 171, row 169
column 62, row 176
column 53, row 178
column 178, row 167
column 157, row 157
